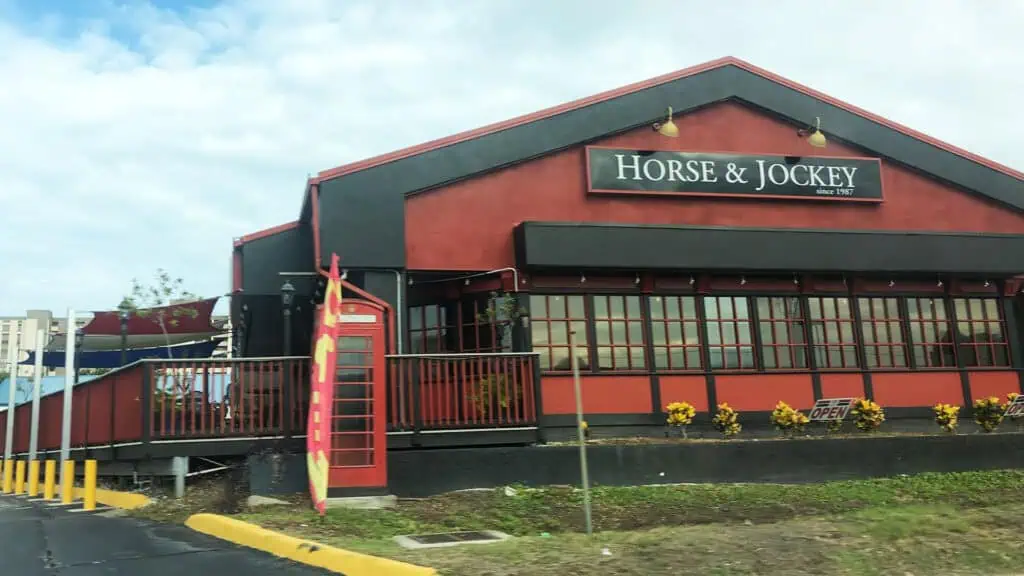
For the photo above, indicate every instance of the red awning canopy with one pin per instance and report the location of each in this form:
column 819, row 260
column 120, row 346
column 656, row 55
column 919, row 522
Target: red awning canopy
column 181, row 318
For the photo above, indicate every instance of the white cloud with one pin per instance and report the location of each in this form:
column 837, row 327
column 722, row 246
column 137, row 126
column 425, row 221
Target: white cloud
column 136, row 138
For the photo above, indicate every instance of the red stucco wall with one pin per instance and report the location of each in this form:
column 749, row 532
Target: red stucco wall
column 468, row 225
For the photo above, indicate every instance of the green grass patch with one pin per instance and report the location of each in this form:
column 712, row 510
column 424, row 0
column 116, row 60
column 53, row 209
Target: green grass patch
column 962, row 523
column 559, row 509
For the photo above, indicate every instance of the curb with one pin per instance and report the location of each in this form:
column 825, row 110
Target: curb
column 115, row 499
column 303, row 551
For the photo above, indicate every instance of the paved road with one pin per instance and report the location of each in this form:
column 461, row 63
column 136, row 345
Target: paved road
column 38, row 540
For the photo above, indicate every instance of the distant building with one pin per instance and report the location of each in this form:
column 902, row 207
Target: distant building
column 23, row 331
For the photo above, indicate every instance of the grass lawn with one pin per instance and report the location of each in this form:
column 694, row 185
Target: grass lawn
column 968, row 523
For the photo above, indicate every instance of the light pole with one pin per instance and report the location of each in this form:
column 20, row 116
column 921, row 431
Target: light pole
column 124, row 314
column 79, row 338
column 287, row 295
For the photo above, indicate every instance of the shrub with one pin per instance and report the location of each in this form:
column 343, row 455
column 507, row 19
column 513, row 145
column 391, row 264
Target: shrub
column 788, row 420
column 727, row 421
column 680, row 415
column 947, row 416
column 868, row 415
column 834, row 427
column 586, row 429
column 988, row 413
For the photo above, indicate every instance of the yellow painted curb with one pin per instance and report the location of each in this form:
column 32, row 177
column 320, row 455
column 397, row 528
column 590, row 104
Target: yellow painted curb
column 115, row 499
column 309, row 553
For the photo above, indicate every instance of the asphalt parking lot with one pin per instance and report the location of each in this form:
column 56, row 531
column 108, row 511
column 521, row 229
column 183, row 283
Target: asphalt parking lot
column 38, row 539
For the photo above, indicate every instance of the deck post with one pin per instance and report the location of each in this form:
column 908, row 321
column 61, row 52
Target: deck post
column 179, row 468
column 417, row 401
column 538, row 405
column 146, row 398
column 287, row 395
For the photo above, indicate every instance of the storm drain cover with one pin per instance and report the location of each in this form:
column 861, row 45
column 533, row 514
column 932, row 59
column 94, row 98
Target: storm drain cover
column 450, row 539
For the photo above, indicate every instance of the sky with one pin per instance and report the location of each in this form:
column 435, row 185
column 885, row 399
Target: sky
column 140, row 135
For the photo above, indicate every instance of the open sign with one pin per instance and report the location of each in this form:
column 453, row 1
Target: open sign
column 1016, row 408
column 830, row 409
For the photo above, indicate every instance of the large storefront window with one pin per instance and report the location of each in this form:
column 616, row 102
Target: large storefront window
column 738, row 333
column 883, row 334
column 981, row 332
column 619, row 333
column 552, row 319
column 930, row 333
column 728, row 332
column 675, row 329
column 832, row 334
column 781, row 328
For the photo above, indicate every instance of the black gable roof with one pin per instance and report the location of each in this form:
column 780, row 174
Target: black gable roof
column 380, row 184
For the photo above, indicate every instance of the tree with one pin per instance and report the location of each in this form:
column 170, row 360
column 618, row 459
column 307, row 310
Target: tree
column 149, row 301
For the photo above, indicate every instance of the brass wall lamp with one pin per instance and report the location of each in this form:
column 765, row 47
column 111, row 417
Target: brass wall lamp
column 668, row 128
column 813, row 134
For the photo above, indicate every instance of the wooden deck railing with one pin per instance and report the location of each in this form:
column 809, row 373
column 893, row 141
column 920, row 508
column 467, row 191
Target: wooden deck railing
column 446, row 391
column 268, row 397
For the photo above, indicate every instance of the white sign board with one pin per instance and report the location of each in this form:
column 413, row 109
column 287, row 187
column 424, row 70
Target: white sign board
column 357, row 318
column 1016, row 408
column 830, row 409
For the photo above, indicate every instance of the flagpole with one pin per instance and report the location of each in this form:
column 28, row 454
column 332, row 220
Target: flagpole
column 37, row 383
column 69, row 385
column 12, row 385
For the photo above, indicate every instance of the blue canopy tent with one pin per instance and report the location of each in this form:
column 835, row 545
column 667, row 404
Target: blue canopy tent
column 112, row 358
column 23, row 388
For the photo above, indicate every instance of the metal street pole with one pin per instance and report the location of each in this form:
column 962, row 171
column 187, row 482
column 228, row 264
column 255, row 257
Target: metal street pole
column 12, row 388
column 287, row 295
column 124, row 314
column 37, row 384
column 584, row 469
column 69, row 390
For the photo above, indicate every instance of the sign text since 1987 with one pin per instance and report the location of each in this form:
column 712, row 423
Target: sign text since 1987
column 615, row 171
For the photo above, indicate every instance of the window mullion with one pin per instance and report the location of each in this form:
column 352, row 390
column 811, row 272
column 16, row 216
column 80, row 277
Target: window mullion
column 754, row 317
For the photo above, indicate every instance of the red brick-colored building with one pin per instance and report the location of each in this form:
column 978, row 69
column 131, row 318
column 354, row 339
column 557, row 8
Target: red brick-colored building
column 734, row 263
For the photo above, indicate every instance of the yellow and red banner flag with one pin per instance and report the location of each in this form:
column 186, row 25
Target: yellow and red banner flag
column 321, row 400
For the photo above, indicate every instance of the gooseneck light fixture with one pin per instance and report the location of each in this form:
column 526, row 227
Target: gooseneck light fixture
column 668, row 129
column 814, row 136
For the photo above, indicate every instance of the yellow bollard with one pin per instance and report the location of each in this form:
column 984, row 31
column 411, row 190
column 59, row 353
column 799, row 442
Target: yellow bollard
column 49, row 479
column 89, row 484
column 33, row 478
column 67, row 488
column 8, row 476
column 19, row 477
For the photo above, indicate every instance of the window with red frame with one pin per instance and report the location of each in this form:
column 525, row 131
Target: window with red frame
column 552, row 317
column 931, row 334
column 675, row 330
column 431, row 329
column 832, row 336
column 884, row 346
column 981, row 332
column 781, row 327
column 483, row 329
column 619, row 333
column 730, row 345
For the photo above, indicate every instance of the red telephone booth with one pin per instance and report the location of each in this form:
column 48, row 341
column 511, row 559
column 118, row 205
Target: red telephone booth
column 358, row 458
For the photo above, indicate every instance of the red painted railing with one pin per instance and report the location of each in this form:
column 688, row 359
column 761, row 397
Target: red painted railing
column 222, row 398
column 446, row 391
column 174, row 399
column 217, row 398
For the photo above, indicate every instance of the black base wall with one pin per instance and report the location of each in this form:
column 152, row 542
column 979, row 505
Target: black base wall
column 418, row 473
